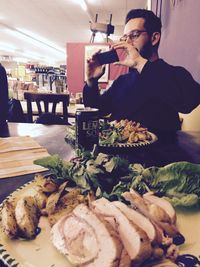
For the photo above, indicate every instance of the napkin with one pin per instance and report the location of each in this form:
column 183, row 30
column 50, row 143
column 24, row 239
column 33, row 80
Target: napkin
column 17, row 155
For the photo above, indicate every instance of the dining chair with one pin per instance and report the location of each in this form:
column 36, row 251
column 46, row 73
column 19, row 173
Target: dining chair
column 47, row 111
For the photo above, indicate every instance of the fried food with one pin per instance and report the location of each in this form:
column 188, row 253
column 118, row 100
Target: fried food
column 123, row 131
column 27, row 216
column 9, row 223
column 46, row 184
column 66, row 204
column 54, row 198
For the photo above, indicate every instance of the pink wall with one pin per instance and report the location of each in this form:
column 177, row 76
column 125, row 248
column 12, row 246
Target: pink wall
column 75, row 67
column 75, row 64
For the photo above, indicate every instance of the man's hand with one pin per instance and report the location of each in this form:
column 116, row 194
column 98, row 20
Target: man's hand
column 133, row 58
column 94, row 70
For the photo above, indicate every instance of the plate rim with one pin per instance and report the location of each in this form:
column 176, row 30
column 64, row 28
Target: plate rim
column 4, row 254
column 131, row 145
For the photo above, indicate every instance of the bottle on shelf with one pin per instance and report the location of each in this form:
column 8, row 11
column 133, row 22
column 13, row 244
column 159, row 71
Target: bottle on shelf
column 72, row 99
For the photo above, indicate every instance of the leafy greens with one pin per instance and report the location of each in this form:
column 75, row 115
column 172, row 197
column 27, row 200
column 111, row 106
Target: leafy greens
column 110, row 176
column 89, row 172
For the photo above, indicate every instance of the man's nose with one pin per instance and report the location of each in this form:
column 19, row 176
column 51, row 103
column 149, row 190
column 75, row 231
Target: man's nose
column 129, row 40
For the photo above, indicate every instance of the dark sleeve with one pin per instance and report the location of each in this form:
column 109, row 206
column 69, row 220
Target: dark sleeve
column 91, row 95
column 3, row 95
column 93, row 99
column 189, row 90
column 175, row 85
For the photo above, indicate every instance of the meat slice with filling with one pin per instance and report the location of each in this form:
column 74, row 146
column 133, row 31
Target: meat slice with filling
column 134, row 239
column 86, row 240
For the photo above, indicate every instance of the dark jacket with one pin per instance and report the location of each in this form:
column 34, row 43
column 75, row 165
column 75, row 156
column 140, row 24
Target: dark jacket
column 3, row 95
column 152, row 98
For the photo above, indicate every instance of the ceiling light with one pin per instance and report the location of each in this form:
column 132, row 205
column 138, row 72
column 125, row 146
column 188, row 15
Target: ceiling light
column 50, row 52
column 40, row 39
column 40, row 44
column 34, row 42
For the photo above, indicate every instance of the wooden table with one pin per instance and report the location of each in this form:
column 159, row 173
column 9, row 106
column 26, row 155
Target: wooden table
column 51, row 137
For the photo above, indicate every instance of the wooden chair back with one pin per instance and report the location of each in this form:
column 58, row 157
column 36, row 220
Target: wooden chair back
column 46, row 99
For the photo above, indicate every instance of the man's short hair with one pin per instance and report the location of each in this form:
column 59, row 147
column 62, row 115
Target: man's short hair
column 152, row 22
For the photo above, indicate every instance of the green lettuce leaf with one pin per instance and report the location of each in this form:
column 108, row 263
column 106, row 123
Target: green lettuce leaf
column 175, row 181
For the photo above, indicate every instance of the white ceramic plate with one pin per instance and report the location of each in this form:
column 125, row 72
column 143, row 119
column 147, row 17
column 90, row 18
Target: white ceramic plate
column 35, row 253
column 41, row 253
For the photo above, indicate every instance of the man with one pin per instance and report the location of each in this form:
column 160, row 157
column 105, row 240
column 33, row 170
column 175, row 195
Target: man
column 153, row 92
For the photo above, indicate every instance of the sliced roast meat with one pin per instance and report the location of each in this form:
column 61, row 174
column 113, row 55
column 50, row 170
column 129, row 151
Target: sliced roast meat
column 162, row 203
column 138, row 219
column 138, row 202
column 68, row 235
column 147, row 208
column 85, row 240
column 134, row 239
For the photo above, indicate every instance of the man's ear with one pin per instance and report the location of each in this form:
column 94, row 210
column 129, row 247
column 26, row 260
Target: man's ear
column 155, row 38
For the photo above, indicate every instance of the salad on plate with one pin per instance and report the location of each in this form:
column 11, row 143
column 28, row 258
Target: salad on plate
column 121, row 133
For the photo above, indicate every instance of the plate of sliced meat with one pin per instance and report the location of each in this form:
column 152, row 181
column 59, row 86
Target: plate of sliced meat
column 56, row 226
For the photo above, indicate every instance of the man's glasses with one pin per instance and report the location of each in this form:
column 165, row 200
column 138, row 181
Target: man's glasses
column 132, row 35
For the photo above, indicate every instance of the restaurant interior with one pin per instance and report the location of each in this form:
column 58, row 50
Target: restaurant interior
column 77, row 189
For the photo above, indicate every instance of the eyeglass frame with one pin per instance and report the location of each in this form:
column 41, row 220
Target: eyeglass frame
column 131, row 35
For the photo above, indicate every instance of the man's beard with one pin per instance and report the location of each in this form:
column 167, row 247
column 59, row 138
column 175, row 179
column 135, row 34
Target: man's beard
column 147, row 50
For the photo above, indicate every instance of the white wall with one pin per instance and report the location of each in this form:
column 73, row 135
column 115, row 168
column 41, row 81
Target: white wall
column 191, row 122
